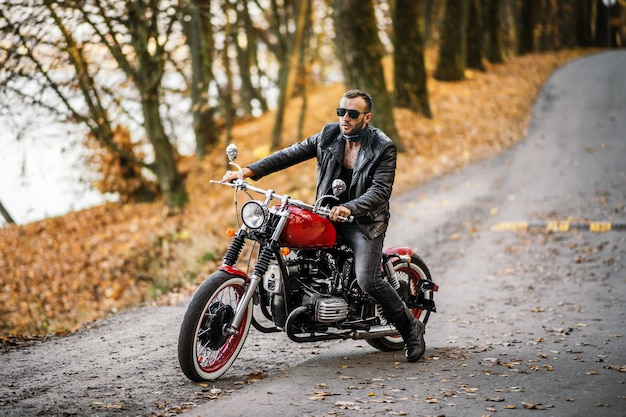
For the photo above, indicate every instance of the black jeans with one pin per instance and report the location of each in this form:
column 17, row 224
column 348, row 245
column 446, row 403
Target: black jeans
column 367, row 256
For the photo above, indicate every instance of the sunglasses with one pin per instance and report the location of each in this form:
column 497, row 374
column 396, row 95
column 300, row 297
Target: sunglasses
column 354, row 114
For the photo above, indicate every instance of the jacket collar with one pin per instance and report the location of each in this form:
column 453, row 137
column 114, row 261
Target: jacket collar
column 338, row 145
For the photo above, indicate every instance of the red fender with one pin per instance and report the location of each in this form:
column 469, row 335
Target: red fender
column 404, row 251
column 399, row 250
column 234, row 271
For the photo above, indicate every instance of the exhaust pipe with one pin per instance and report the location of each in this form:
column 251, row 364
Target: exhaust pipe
column 374, row 333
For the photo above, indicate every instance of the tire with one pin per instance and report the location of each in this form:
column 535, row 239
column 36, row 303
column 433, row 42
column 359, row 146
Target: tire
column 204, row 352
column 408, row 276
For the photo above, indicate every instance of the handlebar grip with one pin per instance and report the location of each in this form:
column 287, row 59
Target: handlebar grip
column 326, row 212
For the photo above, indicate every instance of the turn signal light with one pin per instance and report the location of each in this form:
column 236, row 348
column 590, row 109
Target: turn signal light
column 285, row 251
column 230, row 232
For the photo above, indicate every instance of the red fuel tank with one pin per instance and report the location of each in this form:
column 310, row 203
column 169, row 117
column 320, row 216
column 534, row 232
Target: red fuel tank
column 306, row 230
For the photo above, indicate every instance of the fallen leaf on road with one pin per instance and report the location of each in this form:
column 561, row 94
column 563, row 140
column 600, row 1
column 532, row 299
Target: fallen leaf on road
column 620, row 368
column 532, row 406
column 510, row 407
column 347, row 405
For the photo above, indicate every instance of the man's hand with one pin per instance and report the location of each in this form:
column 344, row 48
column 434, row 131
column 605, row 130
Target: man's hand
column 233, row 175
column 337, row 211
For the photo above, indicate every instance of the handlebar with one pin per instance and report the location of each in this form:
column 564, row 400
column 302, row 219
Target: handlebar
column 241, row 184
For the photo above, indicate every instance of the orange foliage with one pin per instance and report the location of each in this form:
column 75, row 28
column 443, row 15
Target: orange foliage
column 62, row 272
column 118, row 175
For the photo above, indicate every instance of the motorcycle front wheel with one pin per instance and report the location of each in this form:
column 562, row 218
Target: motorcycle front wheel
column 408, row 274
column 204, row 352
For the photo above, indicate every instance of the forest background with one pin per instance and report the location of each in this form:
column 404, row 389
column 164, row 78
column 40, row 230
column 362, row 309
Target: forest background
column 453, row 82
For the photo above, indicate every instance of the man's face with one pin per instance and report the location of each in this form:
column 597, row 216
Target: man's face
column 351, row 126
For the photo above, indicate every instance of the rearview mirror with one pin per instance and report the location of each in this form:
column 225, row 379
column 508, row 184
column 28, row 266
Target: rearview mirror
column 232, row 152
column 339, row 186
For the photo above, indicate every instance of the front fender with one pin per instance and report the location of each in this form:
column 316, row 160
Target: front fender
column 235, row 271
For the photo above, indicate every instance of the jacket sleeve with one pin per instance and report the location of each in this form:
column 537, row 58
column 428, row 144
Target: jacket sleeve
column 284, row 158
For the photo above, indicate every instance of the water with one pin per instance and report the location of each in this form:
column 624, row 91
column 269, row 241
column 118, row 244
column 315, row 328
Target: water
column 42, row 172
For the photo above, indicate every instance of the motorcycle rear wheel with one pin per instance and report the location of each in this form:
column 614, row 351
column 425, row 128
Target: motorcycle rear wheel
column 408, row 274
column 204, row 352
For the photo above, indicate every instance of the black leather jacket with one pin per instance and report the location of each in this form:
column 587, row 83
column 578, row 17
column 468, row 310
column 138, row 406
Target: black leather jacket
column 372, row 177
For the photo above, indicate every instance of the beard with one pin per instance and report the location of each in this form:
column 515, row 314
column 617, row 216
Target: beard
column 355, row 129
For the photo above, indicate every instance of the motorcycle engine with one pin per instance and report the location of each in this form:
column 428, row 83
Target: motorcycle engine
column 328, row 309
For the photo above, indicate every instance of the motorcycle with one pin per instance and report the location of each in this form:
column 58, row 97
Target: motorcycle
column 302, row 283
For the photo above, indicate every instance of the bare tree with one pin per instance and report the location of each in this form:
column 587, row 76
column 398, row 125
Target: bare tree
column 289, row 65
column 452, row 51
column 410, row 88
column 361, row 52
column 199, row 33
column 474, row 38
column 584, row 19
column 5, row 214
column 527, row 26
column 67, row 50
column 494, row 50
column 247, row 60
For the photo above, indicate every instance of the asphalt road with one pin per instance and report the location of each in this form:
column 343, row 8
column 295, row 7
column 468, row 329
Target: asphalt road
column 531, row 309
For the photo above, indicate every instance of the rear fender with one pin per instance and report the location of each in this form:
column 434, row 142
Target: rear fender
column 399, row 251
column 407, row 254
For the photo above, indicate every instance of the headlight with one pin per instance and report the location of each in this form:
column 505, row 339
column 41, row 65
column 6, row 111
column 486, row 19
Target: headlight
column 253, row 214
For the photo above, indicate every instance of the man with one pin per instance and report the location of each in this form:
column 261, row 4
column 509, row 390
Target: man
column 365, row 158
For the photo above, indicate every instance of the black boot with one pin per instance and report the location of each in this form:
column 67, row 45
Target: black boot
column 412, row 331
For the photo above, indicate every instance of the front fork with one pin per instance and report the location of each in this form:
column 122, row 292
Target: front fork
column 263, row 262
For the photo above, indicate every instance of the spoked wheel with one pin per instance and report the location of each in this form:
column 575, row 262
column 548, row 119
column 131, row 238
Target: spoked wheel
column 408, row 273
column 205, row 350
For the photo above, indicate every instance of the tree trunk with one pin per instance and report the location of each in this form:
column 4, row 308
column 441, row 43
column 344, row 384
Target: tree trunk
column 200, row 40
column 494, row 50
column 566, row 26
column 452, row 53
column 170, row 181
column 361, row 52
column 247, row 60
column 226, row 93
column 288, row 71
column 475, row 37
column 428, row 20
column 527, row 27
column 584, row 13
column 547, row 21
column 609, row 25
column 408, row 57
column 5, row 214
column 148, row 78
